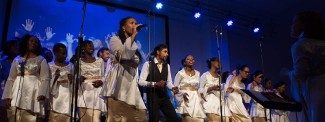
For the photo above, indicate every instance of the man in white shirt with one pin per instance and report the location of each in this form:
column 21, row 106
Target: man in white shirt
column 155, row 75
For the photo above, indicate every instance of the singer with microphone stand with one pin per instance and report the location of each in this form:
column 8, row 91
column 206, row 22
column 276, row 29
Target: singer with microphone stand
column 28, row 81
column 121, row 89
column 210, row 93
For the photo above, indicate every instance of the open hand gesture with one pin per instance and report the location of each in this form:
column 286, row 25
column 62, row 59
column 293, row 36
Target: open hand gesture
column 29, row 25
column 49, row 33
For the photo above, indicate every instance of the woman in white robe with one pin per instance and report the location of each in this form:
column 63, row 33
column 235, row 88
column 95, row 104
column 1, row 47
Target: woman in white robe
column 28, row 81
column 280, row 115
column 257, row 111
column 92, row 76
column 188, row 99
column 235, row 98
column 210, row 93
column 121, row 90
column 60, row 85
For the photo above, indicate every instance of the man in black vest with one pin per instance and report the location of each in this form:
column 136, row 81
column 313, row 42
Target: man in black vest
column 155, row 75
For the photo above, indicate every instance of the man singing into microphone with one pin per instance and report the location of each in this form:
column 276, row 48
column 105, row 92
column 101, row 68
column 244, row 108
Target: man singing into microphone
column 155, row 75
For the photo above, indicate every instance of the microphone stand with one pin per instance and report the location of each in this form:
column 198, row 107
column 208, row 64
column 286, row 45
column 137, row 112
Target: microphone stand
column 220, row 70
column 263, row 70
column 21, row 82
column 76, row 75
column 152, row 90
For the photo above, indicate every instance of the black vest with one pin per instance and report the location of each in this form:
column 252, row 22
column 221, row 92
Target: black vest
column 156, row 76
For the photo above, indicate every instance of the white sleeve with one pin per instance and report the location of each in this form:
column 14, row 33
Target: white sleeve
column 45, row 79
column 169, row 79
column 7, row 93
column 126, row 50
column 301, row 62
column 144, row 74
column 202, row 88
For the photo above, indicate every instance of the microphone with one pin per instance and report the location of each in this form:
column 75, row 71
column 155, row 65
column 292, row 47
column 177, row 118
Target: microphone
column 141, row 26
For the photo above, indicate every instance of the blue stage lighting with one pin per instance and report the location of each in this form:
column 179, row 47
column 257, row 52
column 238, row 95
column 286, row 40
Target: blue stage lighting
column 230, row 22
column 197, row 15
column 159, row 5
column 256, row 29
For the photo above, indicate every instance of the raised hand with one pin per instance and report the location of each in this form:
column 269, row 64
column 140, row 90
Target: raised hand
column 49, row 33
column 38, row 35
column 69, row 38
column 107, row 38
column 29, row 25
column 175, row 90
column 234, row 73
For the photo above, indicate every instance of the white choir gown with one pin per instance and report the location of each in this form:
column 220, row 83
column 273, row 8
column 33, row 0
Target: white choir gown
column 193, row 107
column 24, row 90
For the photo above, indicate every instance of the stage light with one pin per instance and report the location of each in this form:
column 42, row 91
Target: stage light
column 256, row 29
column 159, row 5
column 230, row 22
column 197, row 15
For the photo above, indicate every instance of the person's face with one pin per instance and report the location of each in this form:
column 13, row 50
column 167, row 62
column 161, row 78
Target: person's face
column 189, row 61
column 48, row 56
column 269, row 84
column 296, row 28
column 244, row 73
column 281, row 89
column 104, row 55
column 129, row 25
column 216, row 64
column 89, row 49
column 61, row 54
column 258, row 79
column 163, row 54
column 32, row 43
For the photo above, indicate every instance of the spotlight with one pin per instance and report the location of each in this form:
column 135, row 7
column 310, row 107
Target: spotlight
column 197, row 15
column 256, row 29
column 230, row 22
column 159, row 5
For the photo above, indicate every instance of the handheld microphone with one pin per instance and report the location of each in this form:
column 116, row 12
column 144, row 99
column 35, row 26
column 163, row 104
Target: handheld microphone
column 141, row 26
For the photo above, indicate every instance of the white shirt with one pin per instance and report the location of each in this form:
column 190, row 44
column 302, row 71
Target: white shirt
column 145, row 72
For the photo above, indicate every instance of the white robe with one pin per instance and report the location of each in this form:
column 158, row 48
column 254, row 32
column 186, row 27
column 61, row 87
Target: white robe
column 193, row 107
column 309, row 70
column 61, row 92
column 257, row 110
column 235, row 99
column 88, row 94
column 212, row 105
column 24, row 90
column 122, row 79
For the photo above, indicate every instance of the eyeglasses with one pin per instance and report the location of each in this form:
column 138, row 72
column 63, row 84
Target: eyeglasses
column 247, row 72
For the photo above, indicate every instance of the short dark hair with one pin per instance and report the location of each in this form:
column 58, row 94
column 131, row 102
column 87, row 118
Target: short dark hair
column 313, row 24
column 278, row 84
column 101, row 50
column 210, row 60
column 23, row 47
column 57, row 46
column 184, row 59
column 241, row 67
column 158, row 48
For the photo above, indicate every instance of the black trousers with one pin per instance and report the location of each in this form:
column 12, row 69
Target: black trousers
column 160, row 102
